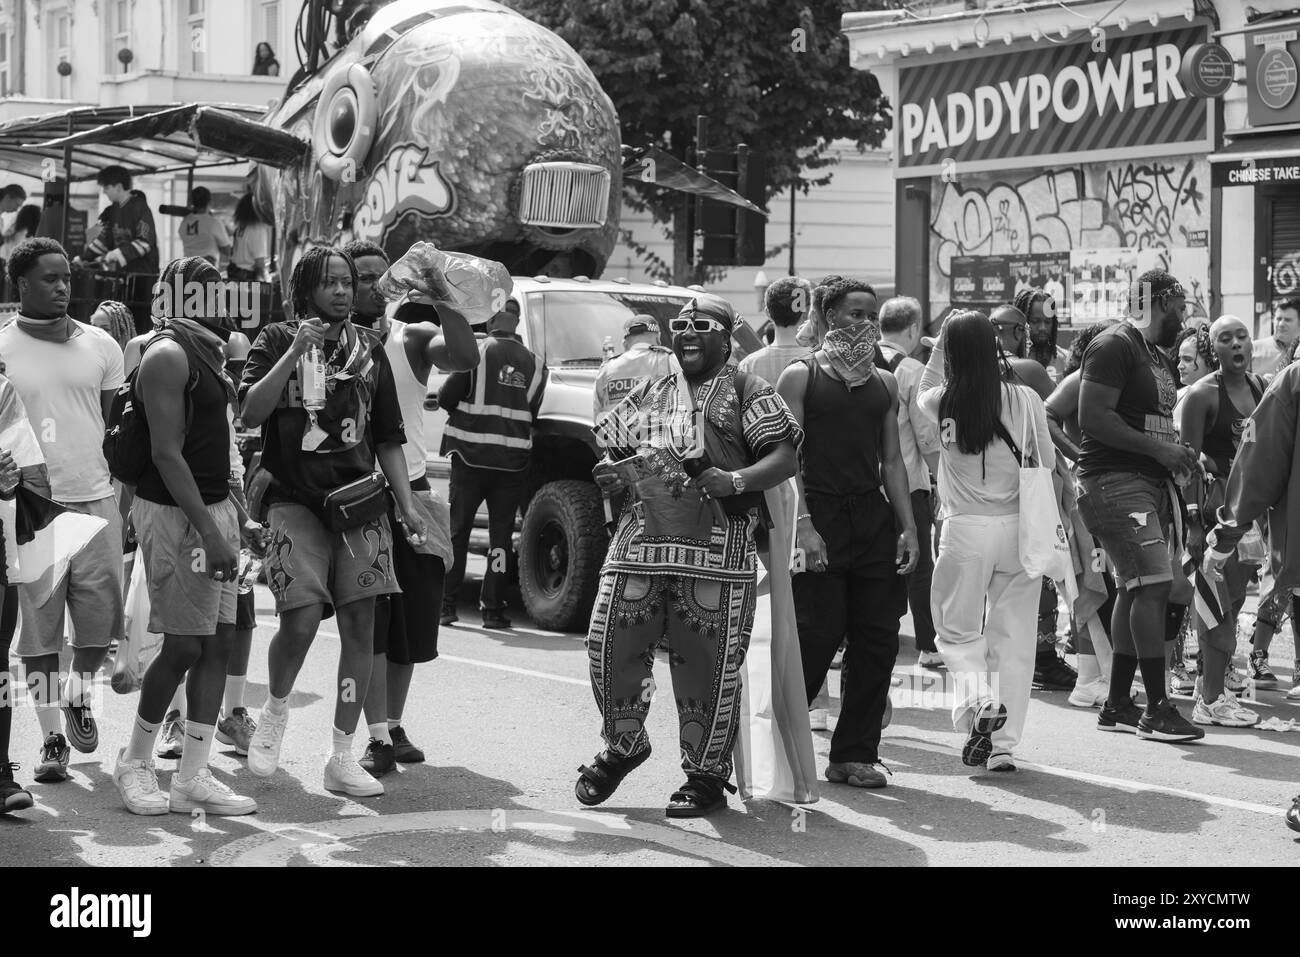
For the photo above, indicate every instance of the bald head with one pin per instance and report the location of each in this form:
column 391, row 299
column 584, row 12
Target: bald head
column 1012, row 328
column 1231, row 341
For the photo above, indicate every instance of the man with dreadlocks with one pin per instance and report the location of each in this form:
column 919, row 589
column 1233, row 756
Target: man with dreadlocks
column 1040, row 312
column 1129, row 458
column 322, row 562
column 856, row 544
column 697, row 448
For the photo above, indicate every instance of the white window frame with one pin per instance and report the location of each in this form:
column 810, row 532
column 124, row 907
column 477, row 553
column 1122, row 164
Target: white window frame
column 61, row 86
column 257, row 28
column 7, row 62
column 117, row 35
column 191, row 60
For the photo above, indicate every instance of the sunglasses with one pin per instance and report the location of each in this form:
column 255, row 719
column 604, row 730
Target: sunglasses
column 699, row 325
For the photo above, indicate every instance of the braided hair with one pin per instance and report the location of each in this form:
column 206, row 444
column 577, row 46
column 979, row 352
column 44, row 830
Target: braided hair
column 1025, row 301
column 1203, row 343
column 121, row 322
column 307, row 274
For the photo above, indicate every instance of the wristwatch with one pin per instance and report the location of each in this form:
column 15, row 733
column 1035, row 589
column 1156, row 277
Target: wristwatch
column 738, row 483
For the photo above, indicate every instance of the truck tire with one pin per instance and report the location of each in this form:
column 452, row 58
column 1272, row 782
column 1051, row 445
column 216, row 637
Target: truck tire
column 561, row 547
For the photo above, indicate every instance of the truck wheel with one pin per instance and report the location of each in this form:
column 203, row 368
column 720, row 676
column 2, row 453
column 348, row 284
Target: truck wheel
column 561, row 548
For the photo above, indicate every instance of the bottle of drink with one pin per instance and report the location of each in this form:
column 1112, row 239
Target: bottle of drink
column 311, row 376
column 608, row 348
column 250, row 569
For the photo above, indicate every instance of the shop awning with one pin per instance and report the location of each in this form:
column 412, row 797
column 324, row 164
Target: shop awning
column 1263, row 147
column 144, row 139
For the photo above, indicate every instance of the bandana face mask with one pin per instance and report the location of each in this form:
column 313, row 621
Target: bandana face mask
column 851, row 351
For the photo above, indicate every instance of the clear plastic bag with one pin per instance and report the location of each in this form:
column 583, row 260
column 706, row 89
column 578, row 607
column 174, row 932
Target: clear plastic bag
column 1251, row 550
column 476, row 287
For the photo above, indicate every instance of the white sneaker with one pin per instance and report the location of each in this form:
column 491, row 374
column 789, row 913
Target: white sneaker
column 205, row 793
column 1090, row 694
column 264, row 749
column 1227, row 712
column 1234, row 680
column 1294, row 693
column 818, row 718
column 138, row 785
column 930, row 659
column 344, row 774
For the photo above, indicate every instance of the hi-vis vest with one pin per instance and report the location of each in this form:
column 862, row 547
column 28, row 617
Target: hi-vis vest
column 492, row 427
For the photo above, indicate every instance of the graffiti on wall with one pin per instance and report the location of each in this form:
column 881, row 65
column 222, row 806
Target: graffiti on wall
column 1151, row 206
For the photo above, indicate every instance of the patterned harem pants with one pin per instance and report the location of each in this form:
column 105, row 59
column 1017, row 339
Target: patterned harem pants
column 707, row 625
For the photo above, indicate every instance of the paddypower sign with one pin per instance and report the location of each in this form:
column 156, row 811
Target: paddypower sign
column 1054, row 98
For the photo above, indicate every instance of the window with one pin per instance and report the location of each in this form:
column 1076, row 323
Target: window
column 117, row 33
column 266, row 25
column 5, row 38
column 194, row 39
column 58, row 32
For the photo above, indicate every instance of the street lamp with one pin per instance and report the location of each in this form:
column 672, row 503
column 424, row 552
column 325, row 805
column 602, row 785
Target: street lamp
column 761, row 282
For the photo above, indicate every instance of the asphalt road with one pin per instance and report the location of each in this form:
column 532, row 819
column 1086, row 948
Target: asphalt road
column 506, row 718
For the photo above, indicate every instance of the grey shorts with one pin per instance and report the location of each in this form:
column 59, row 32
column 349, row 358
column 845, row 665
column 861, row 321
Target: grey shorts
column 306, row 564
column 90, row 593
column 183, row 598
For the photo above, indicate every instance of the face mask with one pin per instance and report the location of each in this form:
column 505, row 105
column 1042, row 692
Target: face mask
column 851, row 351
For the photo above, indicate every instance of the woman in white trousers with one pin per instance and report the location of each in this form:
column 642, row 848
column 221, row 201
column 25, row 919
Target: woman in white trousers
column 985, row 605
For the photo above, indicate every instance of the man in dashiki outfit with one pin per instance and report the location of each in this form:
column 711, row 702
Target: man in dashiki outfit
column 682, row 560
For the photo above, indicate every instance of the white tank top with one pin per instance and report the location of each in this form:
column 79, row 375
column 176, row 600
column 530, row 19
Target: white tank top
column 410, row 398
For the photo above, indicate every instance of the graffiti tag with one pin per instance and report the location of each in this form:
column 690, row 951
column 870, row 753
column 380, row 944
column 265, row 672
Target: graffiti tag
column 403, row 183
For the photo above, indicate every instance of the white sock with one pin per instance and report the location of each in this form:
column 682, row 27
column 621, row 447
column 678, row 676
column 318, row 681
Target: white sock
column 1088, row 670
column 198, row 745
column 178, row 700
column 342, row 742
column 143, row 735
column 50, row 719
column 277, row 705
column 74, row 687
column 379, row 731
column 394, row 723
column 234, row 697
column 1101, row 645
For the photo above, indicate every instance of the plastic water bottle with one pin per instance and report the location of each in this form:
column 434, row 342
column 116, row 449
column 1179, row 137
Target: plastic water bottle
column 311, row 376
column 251, row 569
column 607, row 348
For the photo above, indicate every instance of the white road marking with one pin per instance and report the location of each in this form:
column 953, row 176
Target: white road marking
column 1123, row 783
column 320, row 841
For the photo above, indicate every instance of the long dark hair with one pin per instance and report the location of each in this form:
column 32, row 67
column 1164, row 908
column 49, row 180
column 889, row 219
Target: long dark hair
column 28, row 220
column 973, row 368
column 246, row 212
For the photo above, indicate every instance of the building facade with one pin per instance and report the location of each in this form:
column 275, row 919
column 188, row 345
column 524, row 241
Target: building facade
column 1074, row 145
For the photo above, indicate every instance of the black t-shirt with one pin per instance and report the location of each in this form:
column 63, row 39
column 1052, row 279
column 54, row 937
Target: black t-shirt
column 311, row 475
column 1119, row 358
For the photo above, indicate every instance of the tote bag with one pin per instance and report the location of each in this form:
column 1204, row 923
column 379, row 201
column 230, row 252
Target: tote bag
column 1044, row 547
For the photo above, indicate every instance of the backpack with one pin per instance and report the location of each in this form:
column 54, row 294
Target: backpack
column 127, row 446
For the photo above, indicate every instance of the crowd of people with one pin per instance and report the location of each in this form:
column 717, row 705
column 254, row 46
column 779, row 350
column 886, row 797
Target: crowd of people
column 894, row 465
column 891, row 441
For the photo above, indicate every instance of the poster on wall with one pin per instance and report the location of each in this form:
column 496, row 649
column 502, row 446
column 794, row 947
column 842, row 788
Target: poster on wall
column 1099, row 282
column 1061, row 213
column 979, row 282
column 1188, row 266
column 1049, row 272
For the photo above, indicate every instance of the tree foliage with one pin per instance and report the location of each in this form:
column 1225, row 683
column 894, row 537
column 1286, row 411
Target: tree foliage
column 768, row 73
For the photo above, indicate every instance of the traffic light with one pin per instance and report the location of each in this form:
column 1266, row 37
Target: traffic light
column 733, row 236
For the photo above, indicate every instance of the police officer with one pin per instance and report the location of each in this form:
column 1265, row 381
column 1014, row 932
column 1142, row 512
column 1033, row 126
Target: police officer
column 642, row 358
column 489, row 439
